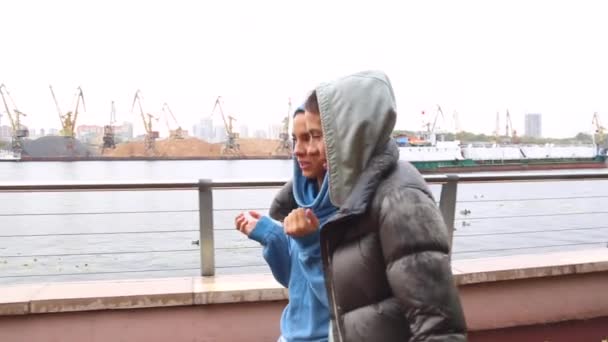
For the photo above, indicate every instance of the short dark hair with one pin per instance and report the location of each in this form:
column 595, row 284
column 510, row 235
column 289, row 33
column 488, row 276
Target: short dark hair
column 312, row 104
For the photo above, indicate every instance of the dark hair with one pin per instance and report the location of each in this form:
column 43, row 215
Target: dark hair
column 299, row 110
column 312, row 104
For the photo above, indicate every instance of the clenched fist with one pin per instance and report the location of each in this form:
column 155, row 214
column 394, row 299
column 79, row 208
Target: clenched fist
column 245, row 223
column 300, row 222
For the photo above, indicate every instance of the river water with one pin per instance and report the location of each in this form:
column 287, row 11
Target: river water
column 131, row 234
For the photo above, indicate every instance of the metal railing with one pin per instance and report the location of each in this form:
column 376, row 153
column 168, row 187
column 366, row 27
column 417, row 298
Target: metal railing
column 205, row 187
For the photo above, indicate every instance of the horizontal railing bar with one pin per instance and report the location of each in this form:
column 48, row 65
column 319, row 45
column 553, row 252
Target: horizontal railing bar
column 102, row 233
column 241, row 266
column 243, row 184
column 531, row 215
column 531, row 247
column 97, row 253
column 96, row 273
column 240, row 209
column 104, row 213
column 523, row 177
column 531, row 199
column 238, row 247
column 129, row 212
column 133, row 185
column 531, row 231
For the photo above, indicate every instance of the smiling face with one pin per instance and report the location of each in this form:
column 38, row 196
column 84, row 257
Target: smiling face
column 311, row 165
column 316, row 146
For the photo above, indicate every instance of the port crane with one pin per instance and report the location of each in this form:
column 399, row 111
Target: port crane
column 151, row 135
column 510, row 132
column 231, row 145
column 69, row 119
column 432, row 137
column 599, row 138
column 439, row 112
column 18, row 130
column 177, row 133
column 497, row 129
column 456, row 123
column 109, row 140
column 285, row 145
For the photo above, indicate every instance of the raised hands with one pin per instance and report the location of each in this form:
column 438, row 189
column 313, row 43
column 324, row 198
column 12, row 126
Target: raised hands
column 245, row 222
column 300, row 222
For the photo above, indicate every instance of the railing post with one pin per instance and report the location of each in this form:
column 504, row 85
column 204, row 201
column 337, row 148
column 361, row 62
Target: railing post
column 447, row 204
column 205, row 219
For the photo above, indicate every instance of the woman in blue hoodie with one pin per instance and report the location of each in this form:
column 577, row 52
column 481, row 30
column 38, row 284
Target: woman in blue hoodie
column 292, row 249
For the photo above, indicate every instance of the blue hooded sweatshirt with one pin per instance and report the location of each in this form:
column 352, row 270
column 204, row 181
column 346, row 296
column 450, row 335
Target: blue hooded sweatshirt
column 296, row 263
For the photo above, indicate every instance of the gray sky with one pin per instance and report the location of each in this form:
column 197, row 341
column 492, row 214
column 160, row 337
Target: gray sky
column 475, row 57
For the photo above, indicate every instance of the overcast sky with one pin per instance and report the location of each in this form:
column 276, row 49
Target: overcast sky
column 473, row 57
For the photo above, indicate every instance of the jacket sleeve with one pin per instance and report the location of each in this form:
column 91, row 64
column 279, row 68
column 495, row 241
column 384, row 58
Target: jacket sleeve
column 283, row 203
column 269, row 233
column 415, row 247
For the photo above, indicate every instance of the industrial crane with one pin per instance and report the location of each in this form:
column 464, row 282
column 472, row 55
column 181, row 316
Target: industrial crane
column 230, row 146
column 497, row 129
column 151, row 135
column 109, row 140
column 598, row 137
column 69, row 119
column 285, row 145
column 431, row 130
column 430, row 136
column 173, row 133
column 510, row 132
column 18, row 130
column 456, row 123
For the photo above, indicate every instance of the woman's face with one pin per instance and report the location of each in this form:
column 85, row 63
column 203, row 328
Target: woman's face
column 311, row 166
column 316, row 145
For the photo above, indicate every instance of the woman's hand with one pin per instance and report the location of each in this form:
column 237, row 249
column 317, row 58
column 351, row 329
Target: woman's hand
column 245, row 222
column 300, row 222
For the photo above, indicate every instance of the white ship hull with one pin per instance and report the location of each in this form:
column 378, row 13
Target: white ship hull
column 9, row 156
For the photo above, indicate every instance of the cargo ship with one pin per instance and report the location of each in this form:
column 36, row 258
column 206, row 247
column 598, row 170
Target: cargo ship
column 7, row 155
column 452, row 157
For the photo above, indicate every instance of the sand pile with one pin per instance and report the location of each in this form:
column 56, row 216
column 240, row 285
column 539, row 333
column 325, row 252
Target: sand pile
column 193, row 147
column 258, row 147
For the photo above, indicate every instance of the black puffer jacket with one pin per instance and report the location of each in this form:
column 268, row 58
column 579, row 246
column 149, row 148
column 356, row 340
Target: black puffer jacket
column 386, row 260
column 386, row 252
column 283, row 203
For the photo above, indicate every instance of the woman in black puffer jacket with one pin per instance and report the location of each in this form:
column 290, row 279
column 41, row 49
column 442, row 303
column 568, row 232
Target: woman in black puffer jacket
column 386, row 251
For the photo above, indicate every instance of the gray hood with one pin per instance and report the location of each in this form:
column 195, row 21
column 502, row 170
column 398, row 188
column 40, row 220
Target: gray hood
column 358, row 114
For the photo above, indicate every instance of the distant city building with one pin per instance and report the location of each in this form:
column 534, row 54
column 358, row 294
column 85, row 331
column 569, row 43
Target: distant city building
column 219, row 133
column 124, row 132
column 32, row 133
column 274, row 131
column 204, row 129
column 53, row 131
column 88, row 130
column 89, row 134
column 244, row 131
column 260, row 134
column 533, row 125
column 5, row 132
